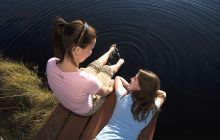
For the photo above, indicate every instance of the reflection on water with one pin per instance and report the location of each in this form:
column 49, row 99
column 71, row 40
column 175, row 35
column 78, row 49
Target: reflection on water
column 179, row 40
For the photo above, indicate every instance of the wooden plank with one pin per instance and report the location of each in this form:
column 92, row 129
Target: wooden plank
column 54, row 124
column 100, row 118
column 73, row 127
column 148, row 132
column 63, row 124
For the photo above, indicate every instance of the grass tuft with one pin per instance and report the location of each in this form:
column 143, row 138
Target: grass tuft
column 25, row 104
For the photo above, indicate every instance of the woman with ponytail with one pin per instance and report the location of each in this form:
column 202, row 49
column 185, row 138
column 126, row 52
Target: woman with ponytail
column 136, row 105
column 82, row 91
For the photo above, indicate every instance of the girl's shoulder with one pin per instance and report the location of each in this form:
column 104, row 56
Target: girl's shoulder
column 120, row 92
column 53, row 60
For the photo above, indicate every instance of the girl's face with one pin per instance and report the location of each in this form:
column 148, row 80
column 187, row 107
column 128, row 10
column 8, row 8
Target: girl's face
column 86, row 52
column 134, row 85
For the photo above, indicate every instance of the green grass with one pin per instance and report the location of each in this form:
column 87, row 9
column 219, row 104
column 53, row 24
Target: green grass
column 24, row 103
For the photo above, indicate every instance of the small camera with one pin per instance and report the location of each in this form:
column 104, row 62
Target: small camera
column 115, row 56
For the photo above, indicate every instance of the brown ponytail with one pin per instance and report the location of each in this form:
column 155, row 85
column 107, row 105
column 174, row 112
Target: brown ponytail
column 59, row 25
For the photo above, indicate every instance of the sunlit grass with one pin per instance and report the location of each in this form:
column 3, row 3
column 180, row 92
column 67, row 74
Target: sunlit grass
column 24, row 103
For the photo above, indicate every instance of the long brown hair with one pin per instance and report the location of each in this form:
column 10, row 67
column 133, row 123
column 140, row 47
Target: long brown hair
column 69, row 35
column 143, row 100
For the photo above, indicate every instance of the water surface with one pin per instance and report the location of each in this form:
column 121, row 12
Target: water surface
column 177, row 39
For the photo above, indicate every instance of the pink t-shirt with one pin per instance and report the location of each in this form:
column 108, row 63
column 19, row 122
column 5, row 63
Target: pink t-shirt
column 74, row 90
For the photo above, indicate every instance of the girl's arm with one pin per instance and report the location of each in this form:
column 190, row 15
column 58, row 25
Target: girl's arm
column 124, row 83
column 161, row 97
column 120, row 82
column 119, row 87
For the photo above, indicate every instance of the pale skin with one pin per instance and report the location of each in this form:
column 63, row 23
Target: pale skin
column 79, row 55
column 134, row 85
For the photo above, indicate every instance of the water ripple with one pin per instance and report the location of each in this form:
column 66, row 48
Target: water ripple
column 177, row 39
column 163, row 35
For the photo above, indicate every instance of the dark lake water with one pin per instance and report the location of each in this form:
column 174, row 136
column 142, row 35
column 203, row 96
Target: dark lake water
column 177, row 39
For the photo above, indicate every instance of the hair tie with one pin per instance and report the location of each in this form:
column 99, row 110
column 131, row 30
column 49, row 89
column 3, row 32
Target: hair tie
column 85, row 27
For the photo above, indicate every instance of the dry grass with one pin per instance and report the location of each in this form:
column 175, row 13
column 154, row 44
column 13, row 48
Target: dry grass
column 24, row 103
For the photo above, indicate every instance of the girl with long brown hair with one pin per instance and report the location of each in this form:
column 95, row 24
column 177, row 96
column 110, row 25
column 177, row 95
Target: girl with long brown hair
column 136, row 105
